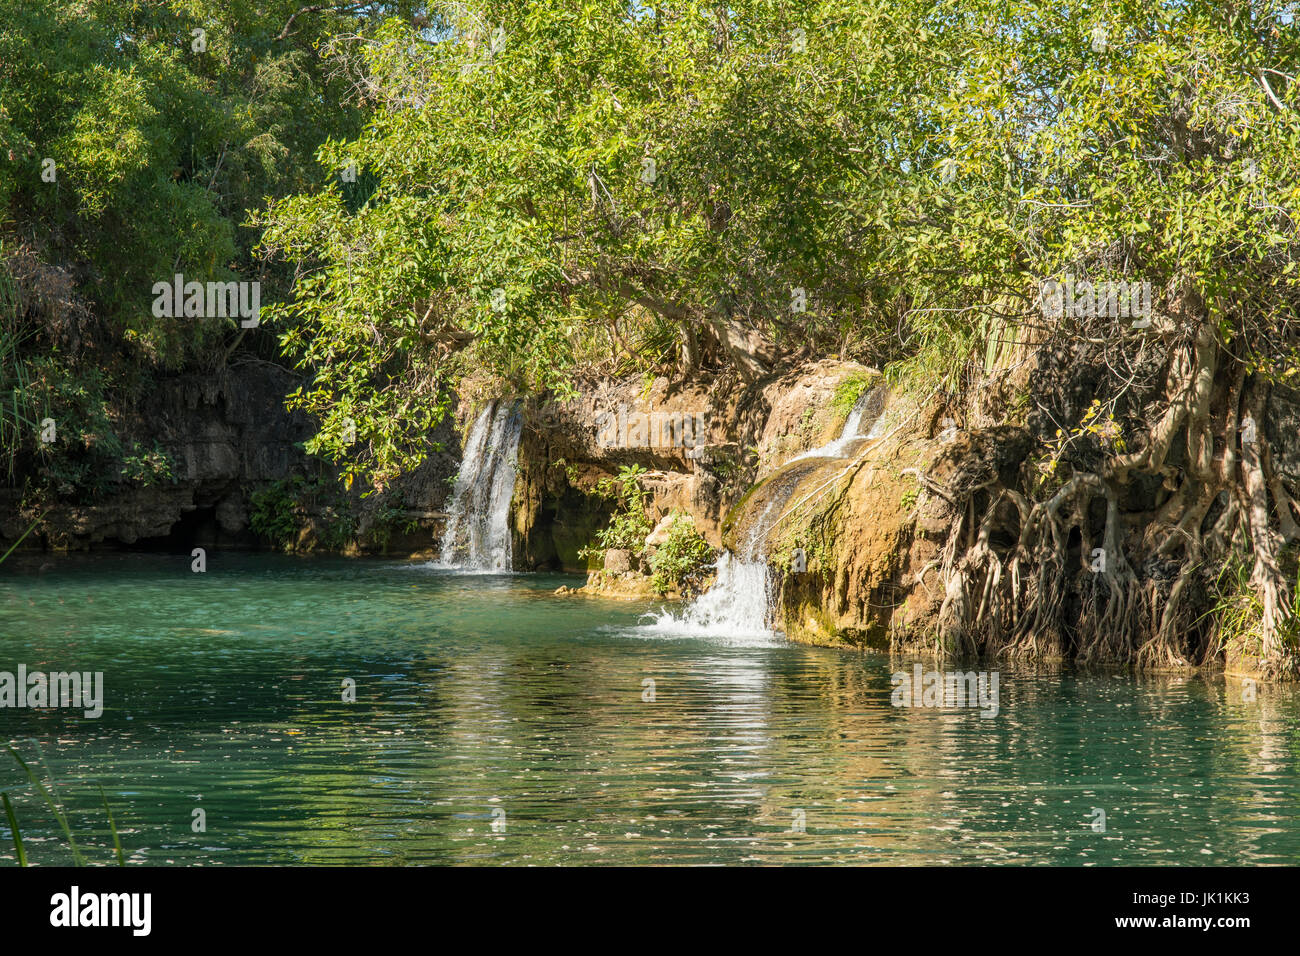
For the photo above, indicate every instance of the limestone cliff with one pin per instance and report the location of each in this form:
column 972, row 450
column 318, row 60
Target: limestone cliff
column 226, row 436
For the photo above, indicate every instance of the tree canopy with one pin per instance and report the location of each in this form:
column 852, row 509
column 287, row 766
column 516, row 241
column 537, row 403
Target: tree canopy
column 135, row 138
column 547, row 187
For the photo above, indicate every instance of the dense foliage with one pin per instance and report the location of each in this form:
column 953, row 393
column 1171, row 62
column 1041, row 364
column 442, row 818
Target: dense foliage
column 558, row 183
column 683, row 560
column 629, row 524
column 135, row 138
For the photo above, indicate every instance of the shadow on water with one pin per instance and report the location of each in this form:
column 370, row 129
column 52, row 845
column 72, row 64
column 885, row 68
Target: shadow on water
column 596, row 740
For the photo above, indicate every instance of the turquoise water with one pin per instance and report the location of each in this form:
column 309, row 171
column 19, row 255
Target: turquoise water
column 487, row 702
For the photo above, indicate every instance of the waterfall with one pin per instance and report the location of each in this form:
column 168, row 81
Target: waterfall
column 477, row 535
column 737, row 605
column 871, row 402
column 853, row 424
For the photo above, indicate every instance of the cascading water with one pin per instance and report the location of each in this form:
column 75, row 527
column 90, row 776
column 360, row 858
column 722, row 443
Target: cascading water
column 870, row 402
column 477, row 536
column 736, row 607
column 739, row 603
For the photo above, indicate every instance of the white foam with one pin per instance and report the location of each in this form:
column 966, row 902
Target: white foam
column 850, row 435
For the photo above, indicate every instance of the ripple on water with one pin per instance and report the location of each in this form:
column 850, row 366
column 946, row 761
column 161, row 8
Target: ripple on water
column 496, row 723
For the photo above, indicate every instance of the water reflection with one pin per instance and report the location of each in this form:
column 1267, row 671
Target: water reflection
column 496, row 723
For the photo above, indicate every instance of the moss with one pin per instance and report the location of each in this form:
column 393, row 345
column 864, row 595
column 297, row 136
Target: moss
column 738, row 509
column 811, row 623
column 848, row 391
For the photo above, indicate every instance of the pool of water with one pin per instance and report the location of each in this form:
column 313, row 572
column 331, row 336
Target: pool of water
column 495, row 722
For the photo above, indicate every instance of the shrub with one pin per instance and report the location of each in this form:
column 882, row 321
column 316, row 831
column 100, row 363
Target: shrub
column 274, row 511
column 682, row 561
column 148, row 467
column 629, row 525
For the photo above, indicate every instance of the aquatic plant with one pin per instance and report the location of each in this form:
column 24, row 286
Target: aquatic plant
column 46, row 787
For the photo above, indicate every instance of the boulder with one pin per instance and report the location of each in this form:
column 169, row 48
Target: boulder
column 659, row 536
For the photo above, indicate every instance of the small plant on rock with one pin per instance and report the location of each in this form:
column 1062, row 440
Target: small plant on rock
column 683, row 560
column 629, row 525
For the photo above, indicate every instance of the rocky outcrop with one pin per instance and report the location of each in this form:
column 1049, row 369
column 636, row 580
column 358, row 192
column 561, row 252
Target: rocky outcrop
column 735, row 433
column 689, row 438
column 839, row 530
column 846, row 532
column 225, row 437
column 804, row 412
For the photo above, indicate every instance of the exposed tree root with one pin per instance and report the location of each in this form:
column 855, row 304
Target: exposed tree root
column 1039, row 576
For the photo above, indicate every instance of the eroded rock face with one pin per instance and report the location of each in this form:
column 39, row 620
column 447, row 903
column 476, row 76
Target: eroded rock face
column 803, row 410
column 750, row 434
column 850, row 533
column 735, row 434
column 227, row 436
column 856, row 588
column 688, row 437
column 844, row 547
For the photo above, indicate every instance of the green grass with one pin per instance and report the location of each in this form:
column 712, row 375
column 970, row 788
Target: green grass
column 49, row 795
column 1238, row 612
